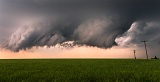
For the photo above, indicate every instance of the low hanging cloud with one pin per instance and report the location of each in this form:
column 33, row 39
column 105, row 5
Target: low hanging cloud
column 140, row 31
column 93, row 32
column 49, row 22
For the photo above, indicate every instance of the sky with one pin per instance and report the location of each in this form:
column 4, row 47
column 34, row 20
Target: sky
column 78, row 28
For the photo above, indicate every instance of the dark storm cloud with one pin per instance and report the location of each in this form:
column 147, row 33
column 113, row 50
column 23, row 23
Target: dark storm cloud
column 85, row 22
column 140, row 31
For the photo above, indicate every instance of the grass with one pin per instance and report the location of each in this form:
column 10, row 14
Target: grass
column 80, row 70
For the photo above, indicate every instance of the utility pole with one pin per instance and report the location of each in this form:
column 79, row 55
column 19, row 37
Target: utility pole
column 134, row 53
column 145, row 48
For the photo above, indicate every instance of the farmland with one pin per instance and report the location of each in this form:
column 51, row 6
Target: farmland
column 80, row 70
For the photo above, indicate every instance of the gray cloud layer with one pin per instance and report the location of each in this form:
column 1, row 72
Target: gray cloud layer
column 86, row 22
column 139, row 31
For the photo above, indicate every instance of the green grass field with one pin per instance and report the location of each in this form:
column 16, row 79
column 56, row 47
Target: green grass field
column 80, row 70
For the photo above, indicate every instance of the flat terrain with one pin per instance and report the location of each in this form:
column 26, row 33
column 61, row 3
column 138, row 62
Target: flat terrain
column 80, row 70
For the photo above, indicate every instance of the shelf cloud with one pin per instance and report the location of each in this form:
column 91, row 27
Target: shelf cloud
column 98, row 23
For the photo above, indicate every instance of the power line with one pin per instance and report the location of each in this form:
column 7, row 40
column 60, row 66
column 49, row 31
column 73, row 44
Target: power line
column 145, row 48
column 134, row 53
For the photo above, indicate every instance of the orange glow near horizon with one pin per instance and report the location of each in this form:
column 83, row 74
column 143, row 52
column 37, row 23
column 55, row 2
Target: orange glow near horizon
column 77, row 52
